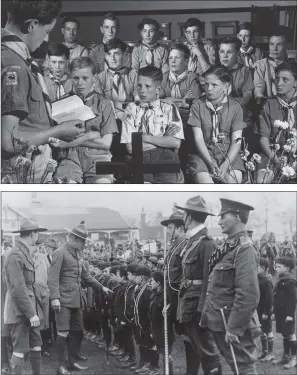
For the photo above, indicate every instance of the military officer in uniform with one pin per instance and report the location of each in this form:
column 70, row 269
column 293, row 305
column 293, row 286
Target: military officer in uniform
column 66, row 272
column 22, row 311
column 173, row 267
column 195, row 256
column 233, row 290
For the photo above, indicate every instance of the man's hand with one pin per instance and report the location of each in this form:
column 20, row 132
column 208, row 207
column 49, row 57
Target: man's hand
column 224, row 167
column 213, row 167
column 196, row 51
column 68, row 131
column 230, row 338
column 165, row 309
column 264, row 316
column 106, row 290
column 288, row 319
column 56, row 305
column 34, row 321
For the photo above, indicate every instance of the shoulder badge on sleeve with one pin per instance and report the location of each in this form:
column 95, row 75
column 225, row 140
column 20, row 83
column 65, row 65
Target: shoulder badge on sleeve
column 10, row 79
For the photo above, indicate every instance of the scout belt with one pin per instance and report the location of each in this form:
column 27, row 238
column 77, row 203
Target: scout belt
column 188, row 283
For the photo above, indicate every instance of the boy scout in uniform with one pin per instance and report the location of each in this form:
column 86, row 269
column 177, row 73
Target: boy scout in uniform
column 173, row 268
column 109, row 29
column 78, row 161
column 25, row 104
column 118, row 83
column 159, row 121
column 149, row 52
column 195, row 256
column 264, row 74
column 69, row 30
column 22, row 310
column 248, row 54
column 233, row 290
column 57, row 80
column 65, row 275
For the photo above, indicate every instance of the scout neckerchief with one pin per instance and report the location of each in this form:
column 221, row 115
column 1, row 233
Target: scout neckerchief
column 59, row 84
column 215, row 116
column 149, row 57
column 289, row 109
column 14, row 43
column 147, row 111
column 88, row 96
column 247, row 56
column 118, row 90
column 271, row 65
column 177, row 80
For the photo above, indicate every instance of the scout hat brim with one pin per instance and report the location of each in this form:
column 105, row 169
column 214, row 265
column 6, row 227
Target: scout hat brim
column 29, row 225
column 195, row 209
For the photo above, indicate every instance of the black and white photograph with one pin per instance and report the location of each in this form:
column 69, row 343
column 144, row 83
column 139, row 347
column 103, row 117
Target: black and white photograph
column 148, row 283
column 156, row 92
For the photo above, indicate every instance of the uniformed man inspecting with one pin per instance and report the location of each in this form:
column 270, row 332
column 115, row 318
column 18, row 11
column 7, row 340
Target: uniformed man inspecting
column 233, row 290
column 22, row 312
column 195, row 256
column 173, row 266
column 66, row 272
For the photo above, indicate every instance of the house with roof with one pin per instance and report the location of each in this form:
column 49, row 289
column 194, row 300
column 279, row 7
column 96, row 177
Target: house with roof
column 102, row 223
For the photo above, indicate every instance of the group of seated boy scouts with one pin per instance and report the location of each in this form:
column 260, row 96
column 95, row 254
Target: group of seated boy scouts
column 193, row 104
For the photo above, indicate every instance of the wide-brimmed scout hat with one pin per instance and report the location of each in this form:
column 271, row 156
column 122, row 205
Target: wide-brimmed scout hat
column 175, row 218
column 80, row 231
column 196, row 204
column 29, row 225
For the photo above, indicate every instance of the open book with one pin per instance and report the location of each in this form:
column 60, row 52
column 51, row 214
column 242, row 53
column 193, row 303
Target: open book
column 71, row 108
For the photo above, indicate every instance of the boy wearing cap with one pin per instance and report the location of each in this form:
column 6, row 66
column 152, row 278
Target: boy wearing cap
column 233, row 290
column 66, row 272
column 22, row 311
column 149, row 52
column 265, row 309
column 195, row 255
column 285, row 299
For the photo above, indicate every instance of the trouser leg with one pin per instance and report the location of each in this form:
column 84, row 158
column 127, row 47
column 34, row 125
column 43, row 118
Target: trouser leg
column 192, row 361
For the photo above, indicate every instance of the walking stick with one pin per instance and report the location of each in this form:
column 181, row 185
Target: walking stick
column 166, row 357
column 231, row 346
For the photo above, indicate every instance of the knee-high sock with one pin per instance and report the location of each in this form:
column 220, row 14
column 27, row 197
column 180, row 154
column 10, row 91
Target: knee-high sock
column 61, row 343
column 4, row 352
column 35, row 360
column 153, row 358
column 287, row 348
column 72, row 346
column 16, row 365
column 270, row 344
column 264, row 343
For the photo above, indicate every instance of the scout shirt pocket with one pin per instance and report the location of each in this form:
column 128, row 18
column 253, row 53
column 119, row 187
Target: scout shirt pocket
column 95, row 123
column 35, row 98
column 161, row 122
column 29, row 273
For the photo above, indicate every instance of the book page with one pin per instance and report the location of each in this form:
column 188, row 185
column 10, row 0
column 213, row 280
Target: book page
column 71, row 108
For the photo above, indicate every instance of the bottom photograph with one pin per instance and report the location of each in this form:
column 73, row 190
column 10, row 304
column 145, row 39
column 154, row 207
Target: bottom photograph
column 149, row 283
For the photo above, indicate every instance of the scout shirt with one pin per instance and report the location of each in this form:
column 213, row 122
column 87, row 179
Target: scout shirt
column 264, row 76
column 241, row 82
column 20, row 300
column 172, row 262
column 97, row 54
column 230, row 120
column 159, row 59
column 195, row 258
column 153, row 119
column 249, row 57
column 58, row 87
column 21, row 92
column 126, row 88
column 188, row 83
column 232, row 286
column 66, row 273
column 77, row 51
column 271, row 112
column 209, row 53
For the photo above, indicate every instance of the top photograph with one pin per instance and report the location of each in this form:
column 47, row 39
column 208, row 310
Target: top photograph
column 148, row 92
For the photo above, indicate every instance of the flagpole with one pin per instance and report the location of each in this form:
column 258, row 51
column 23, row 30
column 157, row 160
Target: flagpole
column 166, row 358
